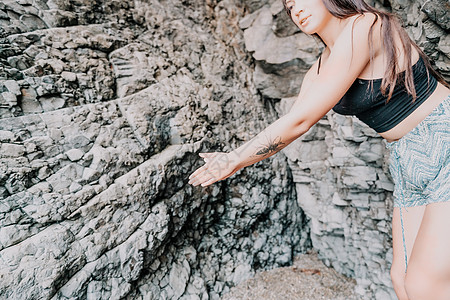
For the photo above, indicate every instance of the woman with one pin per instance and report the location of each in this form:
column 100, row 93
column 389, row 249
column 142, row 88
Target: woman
column 370, row 68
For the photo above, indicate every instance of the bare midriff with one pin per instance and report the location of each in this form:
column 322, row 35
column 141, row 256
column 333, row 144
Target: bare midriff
column 405, row 126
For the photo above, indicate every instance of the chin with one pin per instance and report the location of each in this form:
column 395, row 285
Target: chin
column 308, row 31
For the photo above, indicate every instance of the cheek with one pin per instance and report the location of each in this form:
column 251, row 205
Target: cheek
column 323, row 10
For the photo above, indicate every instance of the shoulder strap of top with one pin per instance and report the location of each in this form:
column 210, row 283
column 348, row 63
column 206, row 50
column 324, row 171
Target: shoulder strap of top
column 318, row 67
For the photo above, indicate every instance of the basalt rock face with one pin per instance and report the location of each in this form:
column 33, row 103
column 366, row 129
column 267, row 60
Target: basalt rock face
column 104, row 108
column 340, row 166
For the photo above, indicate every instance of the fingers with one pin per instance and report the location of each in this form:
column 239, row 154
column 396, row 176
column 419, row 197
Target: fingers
column 216, row 167
column 202, row 176
column 208, row 182
column 197, row 172
column 195, row 178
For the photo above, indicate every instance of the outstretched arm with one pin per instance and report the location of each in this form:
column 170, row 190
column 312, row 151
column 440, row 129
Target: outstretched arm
column 268, row 142
column 321, row 94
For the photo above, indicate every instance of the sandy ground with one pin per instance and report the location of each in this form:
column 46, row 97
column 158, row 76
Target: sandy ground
column 308, row 278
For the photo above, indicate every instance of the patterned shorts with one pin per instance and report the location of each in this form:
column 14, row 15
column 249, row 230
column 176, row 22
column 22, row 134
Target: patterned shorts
column 419, row 163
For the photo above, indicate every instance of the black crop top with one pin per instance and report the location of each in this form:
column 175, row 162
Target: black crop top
column 372, row 109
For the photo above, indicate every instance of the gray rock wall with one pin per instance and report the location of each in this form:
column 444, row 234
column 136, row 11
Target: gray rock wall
column 104, row 107
column 340, row 166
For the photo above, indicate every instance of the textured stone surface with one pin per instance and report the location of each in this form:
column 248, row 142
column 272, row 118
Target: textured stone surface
column 104, row 106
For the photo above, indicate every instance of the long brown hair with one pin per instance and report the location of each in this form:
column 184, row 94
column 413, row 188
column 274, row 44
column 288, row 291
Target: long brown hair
column 390, row 23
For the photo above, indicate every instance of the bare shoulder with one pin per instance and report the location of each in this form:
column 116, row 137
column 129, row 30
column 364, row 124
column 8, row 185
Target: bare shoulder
column 366, row 19
column 348, row 55
column 361, row 25
column 361, row 38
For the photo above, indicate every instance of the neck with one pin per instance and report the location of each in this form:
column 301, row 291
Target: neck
column 332, row 29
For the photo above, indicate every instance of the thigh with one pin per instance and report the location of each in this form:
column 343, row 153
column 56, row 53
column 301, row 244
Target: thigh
column 412, row 218
column 431, row 254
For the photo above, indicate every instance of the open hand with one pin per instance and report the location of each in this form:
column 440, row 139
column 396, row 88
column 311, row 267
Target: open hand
column 218, row 166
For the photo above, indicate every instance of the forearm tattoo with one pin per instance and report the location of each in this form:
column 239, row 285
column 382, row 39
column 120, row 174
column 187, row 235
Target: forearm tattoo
column 270, row 148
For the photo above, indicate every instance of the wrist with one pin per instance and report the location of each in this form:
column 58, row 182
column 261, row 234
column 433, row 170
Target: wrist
column 235, row 160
